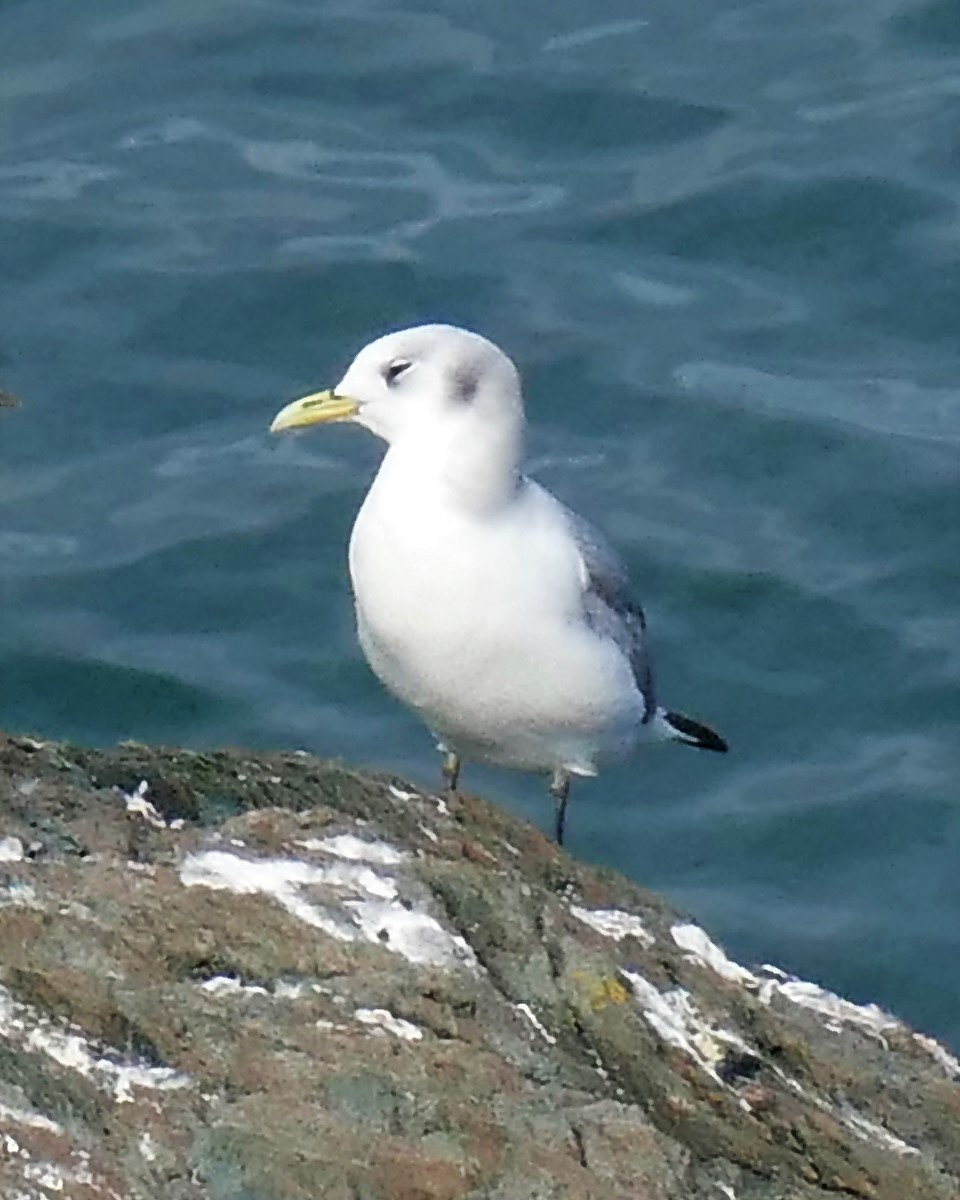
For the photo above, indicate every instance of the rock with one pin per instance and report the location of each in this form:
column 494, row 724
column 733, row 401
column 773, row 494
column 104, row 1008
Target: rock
column 227, row 975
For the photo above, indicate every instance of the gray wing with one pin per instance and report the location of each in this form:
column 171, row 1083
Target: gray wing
column 609, row 607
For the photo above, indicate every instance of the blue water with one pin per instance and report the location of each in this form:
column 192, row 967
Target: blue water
column 721, row 239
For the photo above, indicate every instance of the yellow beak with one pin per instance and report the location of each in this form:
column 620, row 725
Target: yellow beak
column 315, row 409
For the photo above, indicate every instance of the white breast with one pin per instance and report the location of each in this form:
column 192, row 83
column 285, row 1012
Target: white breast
column 476, row 620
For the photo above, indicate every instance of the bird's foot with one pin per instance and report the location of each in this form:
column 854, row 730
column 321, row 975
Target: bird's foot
column 560, row 791
column 450, row 769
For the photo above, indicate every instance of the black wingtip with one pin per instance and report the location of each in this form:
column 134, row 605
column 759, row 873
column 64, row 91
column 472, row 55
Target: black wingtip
column 692, row 733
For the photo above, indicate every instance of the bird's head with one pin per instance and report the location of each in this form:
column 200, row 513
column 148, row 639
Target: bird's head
column 419, row 382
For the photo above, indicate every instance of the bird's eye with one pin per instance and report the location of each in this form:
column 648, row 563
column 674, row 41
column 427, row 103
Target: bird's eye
column 394, row 370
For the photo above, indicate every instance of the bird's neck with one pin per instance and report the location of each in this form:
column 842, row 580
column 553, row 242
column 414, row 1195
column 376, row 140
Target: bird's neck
column 481, row 473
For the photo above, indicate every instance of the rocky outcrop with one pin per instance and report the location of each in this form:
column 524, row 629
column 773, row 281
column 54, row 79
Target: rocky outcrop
column 227, row 975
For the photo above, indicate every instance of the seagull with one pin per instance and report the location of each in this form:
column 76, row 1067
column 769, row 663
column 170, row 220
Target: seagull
column 501, row 617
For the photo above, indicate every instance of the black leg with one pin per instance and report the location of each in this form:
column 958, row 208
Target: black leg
column 451, row 770
column 560, row 790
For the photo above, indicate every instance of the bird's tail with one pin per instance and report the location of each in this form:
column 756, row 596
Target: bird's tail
column 679, row 728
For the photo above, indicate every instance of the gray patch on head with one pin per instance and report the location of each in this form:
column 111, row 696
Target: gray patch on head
column 464, row 381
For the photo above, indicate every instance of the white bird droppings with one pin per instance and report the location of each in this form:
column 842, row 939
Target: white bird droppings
column 147, row 1147
column 526, row 1011
column 772, row 982
column 674, row 1017
column 941, row 1055
column 700, row 948
column 355, row 849
column 110, row 1071
column 29, row 1120
column 416, row 935
column 358, row 904
column 139, row 806
column 11, row 849
column 614, row 923
column 229, row 985
column 20, row 895
column 383, row 1021
column 837, row 1011
column 870, row 1131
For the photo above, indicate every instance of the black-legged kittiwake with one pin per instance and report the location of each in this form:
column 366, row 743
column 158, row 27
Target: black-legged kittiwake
column 501, row 617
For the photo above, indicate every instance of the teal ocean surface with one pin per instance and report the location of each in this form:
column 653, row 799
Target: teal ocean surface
column 723, row 241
